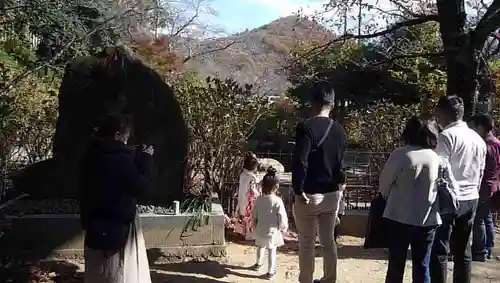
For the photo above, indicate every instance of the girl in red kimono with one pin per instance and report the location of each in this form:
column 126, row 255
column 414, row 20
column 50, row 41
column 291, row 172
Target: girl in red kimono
column 247, row 193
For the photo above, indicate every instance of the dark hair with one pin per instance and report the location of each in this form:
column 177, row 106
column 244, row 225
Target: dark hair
column 320, row 92
column 112, row 124
column 453, row 106
column 250, row 162
column 483, row 120
column 270, row 181
column 418, row 132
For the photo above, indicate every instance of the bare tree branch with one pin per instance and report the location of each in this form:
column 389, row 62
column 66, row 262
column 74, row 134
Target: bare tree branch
column 409, row 56
column 189, row 22
column 488, row 23
column 424, row 19
column 209, row 51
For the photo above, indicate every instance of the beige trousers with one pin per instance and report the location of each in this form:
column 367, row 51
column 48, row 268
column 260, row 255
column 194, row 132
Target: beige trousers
column 317, row 215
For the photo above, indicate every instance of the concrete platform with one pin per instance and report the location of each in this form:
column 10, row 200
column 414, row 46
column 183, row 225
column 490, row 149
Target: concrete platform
column 170, row 235
column 354, row 223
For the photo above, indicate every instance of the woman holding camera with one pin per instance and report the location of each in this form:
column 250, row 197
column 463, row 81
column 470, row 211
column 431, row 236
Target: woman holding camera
column 114, row 175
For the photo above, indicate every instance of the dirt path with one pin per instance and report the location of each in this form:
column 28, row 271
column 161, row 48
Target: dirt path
column 355, row 265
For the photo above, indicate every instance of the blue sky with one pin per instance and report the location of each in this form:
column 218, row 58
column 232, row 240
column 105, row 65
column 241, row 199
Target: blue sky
column 238, row 15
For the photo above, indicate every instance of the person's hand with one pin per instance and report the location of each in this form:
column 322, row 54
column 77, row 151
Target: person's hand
column 337, row 220
column 342, row 187
column 148, row 149
column 302, row 198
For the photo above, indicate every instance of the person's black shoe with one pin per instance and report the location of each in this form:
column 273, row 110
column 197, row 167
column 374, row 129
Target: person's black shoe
column 489, row 255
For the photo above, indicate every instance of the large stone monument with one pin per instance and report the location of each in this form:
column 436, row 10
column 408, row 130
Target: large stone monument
column 112, row 82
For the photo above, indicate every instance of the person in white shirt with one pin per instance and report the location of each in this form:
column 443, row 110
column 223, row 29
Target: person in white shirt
column 270, row 221
column 465, row 150
column 408, row 182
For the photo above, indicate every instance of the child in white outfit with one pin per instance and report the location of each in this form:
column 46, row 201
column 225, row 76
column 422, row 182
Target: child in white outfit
column 270, row 220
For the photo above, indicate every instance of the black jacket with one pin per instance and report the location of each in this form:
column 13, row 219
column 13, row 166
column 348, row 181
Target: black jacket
column 113, row 177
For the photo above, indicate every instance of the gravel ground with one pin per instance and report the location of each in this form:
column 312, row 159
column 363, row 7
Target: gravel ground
column 355, row 265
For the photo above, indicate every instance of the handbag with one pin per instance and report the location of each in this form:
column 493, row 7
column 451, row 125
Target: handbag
column 446, row 191
column 376, row 231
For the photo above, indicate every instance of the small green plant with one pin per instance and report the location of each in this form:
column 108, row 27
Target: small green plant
column 198, row 206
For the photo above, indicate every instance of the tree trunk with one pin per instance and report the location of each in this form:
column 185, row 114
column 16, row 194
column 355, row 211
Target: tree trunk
column 461, row 62
column 462, row 78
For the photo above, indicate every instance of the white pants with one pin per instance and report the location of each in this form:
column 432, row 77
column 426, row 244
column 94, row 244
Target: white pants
column 271, row 258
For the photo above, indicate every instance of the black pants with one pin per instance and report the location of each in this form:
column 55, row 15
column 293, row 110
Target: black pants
column 402, row 236
column 461, row 224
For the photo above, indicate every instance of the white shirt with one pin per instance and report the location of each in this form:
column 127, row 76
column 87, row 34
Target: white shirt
column 408, row 181
column 465, row 150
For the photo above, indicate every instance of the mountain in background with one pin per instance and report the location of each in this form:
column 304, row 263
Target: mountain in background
column 257, row 56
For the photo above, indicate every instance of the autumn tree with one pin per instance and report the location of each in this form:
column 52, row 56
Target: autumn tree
column 465, row 27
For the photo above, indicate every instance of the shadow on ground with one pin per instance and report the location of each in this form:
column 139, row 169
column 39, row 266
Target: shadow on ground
column 291, row 247
column 208, row 268
column 344, row 251
column 66, row 272
column 41, row 271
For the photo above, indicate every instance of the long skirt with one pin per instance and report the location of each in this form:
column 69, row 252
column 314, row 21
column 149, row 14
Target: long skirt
column 129, row 265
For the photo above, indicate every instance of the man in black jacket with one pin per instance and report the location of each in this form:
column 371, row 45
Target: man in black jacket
column 317, row 179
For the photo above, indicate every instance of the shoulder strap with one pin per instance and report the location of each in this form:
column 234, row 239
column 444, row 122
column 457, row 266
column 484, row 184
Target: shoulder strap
column 325, row 135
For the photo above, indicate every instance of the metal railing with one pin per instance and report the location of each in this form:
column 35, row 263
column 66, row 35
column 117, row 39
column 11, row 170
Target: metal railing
column 362, row 169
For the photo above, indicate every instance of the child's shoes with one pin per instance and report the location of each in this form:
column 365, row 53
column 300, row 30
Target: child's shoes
column 256, row 267
column 269, row 276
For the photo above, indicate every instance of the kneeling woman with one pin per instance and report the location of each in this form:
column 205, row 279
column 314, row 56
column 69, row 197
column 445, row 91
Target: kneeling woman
column 408, row 182
column 114, row 175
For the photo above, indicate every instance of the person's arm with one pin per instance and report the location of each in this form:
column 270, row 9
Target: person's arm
column 444, row 146
column 282, row 216
column 136, row 173
column 388, row 173
column 488, row 174
column 448, row 176
column 300, row 156
column 342, row 149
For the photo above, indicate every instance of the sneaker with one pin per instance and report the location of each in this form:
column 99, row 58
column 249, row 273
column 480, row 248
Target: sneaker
column 489, row 255
column 256, row 267
column 269, row 276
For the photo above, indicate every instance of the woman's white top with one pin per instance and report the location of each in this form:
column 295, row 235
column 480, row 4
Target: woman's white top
column 246, row 178
column 409, row 183
column 270, row 220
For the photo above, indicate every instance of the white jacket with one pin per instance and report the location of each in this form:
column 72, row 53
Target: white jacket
column 270, row 220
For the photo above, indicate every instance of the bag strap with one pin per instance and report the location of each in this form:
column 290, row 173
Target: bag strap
column 326, row 134
column 442, row 171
